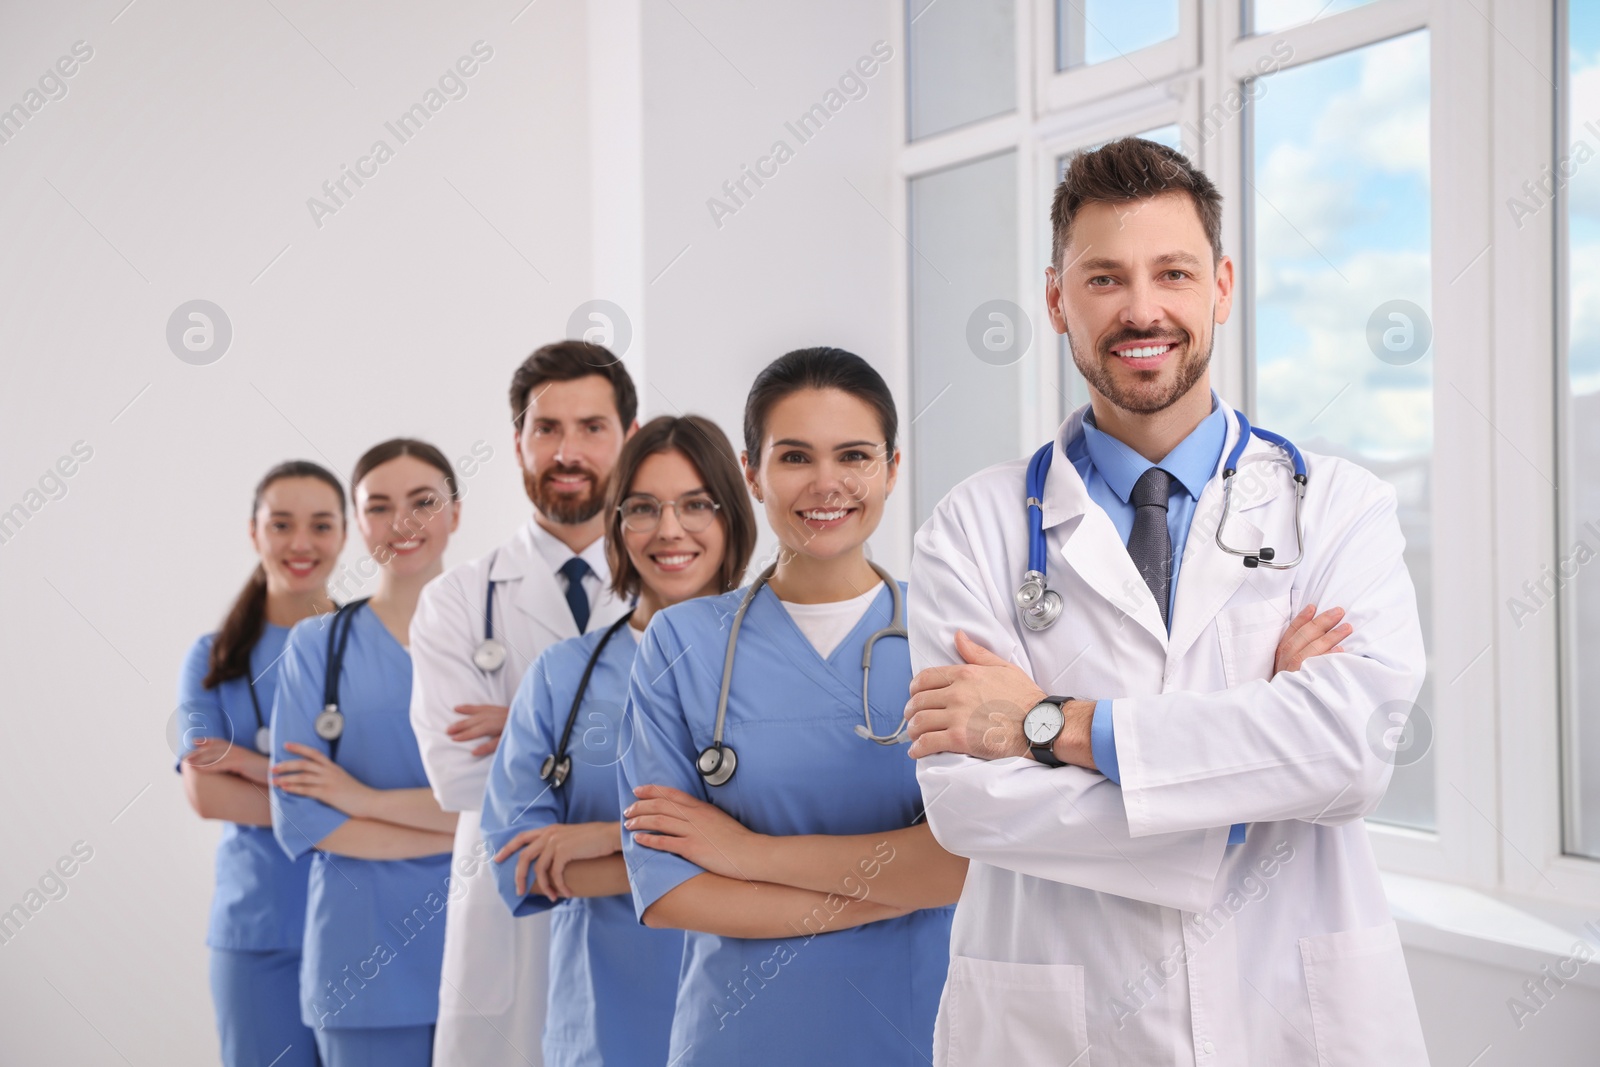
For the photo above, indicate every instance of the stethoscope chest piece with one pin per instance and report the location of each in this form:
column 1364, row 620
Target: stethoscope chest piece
column 717, row 764
column 490, row 655
column 1038, row 605
column 263, row 740
column 330, row 724
column 555, row 771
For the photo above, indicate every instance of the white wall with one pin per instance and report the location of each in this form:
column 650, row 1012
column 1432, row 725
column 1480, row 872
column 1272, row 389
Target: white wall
column 178, row 167
column 189, row 143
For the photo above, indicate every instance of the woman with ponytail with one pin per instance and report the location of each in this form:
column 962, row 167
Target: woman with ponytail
column 297, row 528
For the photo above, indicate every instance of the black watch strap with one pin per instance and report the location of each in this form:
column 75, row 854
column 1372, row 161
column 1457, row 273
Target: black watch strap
column 1045, row 753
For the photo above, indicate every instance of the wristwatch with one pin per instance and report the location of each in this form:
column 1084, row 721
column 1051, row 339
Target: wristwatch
column 1041, row 726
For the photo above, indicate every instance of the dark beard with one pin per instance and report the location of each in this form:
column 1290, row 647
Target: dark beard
column 565, row 508
column 1137, row 401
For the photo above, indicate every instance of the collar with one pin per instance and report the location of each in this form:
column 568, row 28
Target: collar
column 1191, row 462
column 535, row 548
column 1066, row 497
column 555, row 552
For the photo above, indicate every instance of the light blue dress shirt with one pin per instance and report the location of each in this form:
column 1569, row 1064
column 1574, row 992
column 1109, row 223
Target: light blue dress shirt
column 1109, row 470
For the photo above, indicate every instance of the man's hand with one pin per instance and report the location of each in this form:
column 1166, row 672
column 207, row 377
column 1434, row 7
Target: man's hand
column 1308, row 635
column 974, row 708
column 482, row 720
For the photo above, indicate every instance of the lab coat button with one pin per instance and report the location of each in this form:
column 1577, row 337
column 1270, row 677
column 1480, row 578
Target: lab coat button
column 1207, row 1048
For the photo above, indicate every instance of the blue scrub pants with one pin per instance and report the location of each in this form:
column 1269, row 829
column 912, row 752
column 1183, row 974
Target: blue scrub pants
column 390, row 1046
column 257, row 998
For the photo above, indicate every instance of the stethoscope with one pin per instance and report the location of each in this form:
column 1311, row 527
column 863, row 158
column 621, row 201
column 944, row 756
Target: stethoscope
column 263, row 735
column 557, row 766
column 329, row 725
column 1039, row 605
column 718, row 761
column 490, row 654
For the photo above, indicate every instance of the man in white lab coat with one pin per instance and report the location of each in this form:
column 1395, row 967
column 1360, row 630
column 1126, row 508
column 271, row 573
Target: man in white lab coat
column 572, row 405
column 1168, row 862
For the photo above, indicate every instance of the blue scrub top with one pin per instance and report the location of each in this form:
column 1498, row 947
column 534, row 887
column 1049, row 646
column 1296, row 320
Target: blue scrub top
column 374, row 938
column 866, row 995
column 613, row 982
column 260, row 900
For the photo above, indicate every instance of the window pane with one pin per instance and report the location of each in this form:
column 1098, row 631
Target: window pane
column 965, row 406
column 1093, row 31
column 963, row 63
column 1074, row 391
column 1341, row 279
column 1265, row 16
column 1581, row 508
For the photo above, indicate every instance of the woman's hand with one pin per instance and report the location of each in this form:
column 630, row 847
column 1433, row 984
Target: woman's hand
column 318, row 777
column 671, row 820
column 213, row 755
column 548, row 849
column 1310, row 634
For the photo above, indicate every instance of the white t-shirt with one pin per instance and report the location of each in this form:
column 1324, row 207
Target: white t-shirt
column 825, row 625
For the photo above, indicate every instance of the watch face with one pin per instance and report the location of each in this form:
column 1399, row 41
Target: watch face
column 1042, row 723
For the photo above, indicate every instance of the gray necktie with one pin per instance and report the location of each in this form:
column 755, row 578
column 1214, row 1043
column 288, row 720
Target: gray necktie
column 1149, row 544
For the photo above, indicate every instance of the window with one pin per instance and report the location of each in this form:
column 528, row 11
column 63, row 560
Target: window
column 1266, row 16
column 1340, row 268
column 1579, row 382
column 1093, row 31
column 967, row 332
column 1388, row 310
column 962, row 65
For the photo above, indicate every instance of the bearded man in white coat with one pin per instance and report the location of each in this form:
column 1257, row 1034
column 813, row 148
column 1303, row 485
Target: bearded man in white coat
column 1168, row 862
column 477, row 630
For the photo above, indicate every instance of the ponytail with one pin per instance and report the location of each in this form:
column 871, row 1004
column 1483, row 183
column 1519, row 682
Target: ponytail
column 230, row 652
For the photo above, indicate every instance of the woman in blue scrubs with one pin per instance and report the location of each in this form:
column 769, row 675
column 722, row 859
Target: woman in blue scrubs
column 680, row 526
column 225, row 693
column 349, row 785
column 817, row 905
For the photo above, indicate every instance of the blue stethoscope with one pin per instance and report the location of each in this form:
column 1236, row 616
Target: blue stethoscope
column 1039, row 605
column 490, row 655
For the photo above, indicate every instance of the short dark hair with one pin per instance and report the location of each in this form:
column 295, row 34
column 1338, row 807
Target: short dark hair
column 1131, row 169
column 565, row 361
column 817, row 368
column 703, row 444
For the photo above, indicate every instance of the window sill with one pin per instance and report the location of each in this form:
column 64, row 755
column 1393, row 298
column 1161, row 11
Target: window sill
column 1496, row 929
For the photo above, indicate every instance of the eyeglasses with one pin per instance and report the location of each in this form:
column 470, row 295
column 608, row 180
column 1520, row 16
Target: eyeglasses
column 641, row 513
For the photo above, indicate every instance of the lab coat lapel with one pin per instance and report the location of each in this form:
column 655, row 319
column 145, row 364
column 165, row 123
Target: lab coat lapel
column 531, row 586
column 1209, row 576
column 1093, row 549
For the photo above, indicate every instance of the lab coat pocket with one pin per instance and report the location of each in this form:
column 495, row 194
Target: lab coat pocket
column 1011, row 1013
column 1362, row 1009
column 1249, row 636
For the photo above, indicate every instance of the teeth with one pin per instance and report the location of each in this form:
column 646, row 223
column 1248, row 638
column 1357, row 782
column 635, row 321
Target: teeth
column 1146, row 352
column 674, row 561
column 404, row 546
column 824, row 516
column 301, row 564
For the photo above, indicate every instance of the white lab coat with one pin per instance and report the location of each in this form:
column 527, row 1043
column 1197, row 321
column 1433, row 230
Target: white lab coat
column 1105, row 925
column 495, row 977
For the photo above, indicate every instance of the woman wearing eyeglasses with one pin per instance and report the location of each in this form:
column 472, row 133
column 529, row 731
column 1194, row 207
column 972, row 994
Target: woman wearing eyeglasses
column 680, row 526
